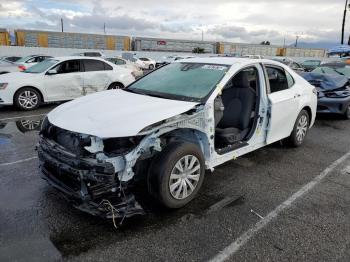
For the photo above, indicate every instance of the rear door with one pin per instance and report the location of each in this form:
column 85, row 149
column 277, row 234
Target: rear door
column 284, row 98
column 67, row 83
column 96, row 75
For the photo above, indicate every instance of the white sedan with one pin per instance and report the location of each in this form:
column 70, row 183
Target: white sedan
column 146, row 63
column 60, row 79
column 172, row 124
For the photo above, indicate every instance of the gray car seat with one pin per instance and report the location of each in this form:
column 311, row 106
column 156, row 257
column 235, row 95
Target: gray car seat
column 239, row 102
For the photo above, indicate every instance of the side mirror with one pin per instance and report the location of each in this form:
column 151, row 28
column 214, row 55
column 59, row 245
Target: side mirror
column 52, row 72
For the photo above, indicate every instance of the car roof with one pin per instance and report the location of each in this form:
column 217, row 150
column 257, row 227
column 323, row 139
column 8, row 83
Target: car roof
column 227, row 61
column 63, row 58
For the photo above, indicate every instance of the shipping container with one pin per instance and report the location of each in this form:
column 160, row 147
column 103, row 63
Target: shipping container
column 241, row 49
column 172, row 45
column 33, row 38
column 4, row 37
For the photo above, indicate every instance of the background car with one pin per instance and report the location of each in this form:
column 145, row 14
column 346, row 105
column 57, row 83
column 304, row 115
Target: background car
column 60, row 79
column 170, row 59
column 28, row 61
column 292, row 64
column 90, row 54
column 136, row 70
column 10, row 59
column 310, row 65
column 333, row 93
column 253, row 56
column 145, row 63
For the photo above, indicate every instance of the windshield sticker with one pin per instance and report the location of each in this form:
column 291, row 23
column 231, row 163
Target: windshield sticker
column 214, row 67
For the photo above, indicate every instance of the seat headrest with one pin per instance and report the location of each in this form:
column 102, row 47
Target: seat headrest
column 241, row 80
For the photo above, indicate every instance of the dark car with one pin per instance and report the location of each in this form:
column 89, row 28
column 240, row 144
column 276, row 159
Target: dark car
column 333, row 93
column 333, row 70
column 310, row 65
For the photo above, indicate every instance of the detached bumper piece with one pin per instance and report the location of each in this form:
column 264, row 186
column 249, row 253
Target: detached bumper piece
column 90, row 186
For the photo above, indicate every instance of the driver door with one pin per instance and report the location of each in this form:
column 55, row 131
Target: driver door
column 66, row 83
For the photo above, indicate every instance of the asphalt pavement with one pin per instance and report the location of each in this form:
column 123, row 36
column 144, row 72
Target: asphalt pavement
column 247, row 209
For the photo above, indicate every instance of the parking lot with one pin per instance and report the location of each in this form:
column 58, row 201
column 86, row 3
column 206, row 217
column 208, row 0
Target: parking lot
column 275, row 204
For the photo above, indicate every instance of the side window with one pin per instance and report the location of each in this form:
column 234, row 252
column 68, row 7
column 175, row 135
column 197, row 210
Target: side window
column 108, row 67
column 277, row 79
column 70, row 66
column 93, row 65
column 290, row 80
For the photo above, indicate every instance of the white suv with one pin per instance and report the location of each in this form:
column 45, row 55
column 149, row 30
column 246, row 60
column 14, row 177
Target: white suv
column 59, row 79
column 168, row 128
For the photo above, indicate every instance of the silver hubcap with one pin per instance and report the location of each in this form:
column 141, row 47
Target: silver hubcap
column 302, row 128
column 184, row 177
column 348, row 111
column 28, row 99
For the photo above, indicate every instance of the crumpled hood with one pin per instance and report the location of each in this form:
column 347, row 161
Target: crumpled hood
column 115, row 113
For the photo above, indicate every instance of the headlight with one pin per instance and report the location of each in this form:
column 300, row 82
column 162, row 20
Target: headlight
column 3, row 85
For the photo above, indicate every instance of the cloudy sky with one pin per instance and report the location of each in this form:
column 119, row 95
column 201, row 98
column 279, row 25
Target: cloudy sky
column 220, row 20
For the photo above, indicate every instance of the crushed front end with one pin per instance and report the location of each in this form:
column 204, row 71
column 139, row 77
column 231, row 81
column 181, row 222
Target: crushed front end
column 84, row 176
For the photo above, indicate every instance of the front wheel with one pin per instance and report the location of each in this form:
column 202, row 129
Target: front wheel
column 177, row 174
column 300, row 129
column 27, row 98
column 151, row 67
column 347, row 112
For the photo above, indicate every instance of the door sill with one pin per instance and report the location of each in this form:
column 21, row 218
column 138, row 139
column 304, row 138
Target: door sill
column 230, row 148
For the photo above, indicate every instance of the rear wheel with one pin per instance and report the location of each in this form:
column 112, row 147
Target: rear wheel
column 347, row 112
column 27, row 98
column 115, row 86
column 177, row 174
column 300, row 129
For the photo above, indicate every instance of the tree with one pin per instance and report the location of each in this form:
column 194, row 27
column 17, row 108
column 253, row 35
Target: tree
column 198, row 50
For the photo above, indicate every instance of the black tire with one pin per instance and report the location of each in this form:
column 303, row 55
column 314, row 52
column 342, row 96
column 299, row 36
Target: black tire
column 347, row 112
column 161, row 169
column 295, row 139
column 115, row 86
column 33, row 96
column 151, row 67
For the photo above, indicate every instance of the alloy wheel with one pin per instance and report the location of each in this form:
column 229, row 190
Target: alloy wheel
column 28, row 99
column 184, row 177
column 302, row 128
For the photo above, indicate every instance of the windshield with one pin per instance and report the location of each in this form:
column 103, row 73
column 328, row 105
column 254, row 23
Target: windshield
column 181, row 81
column 41, row 67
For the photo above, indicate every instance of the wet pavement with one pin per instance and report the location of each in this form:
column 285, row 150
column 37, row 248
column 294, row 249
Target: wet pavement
column 36, row 223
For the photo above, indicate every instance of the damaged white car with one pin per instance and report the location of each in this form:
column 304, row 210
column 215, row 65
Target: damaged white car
column 61, row 79
column 167, row 128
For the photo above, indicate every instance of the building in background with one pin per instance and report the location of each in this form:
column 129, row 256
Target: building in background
column 32, row 38
column 172, row 45
column 4, row 37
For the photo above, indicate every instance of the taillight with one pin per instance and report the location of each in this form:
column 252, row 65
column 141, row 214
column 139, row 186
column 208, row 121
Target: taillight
column 22, row 67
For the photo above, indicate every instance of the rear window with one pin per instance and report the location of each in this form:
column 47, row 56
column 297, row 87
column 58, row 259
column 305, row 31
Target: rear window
column 95, row 65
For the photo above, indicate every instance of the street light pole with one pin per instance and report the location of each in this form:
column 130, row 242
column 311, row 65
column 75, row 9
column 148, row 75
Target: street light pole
column 343, row 25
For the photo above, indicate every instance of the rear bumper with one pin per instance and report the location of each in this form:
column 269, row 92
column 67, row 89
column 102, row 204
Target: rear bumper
column 90, row 186
column 333, row 105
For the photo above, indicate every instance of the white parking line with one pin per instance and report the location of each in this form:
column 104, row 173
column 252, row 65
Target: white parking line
column 19, row 117
column 18, row 161
column 250, row 233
